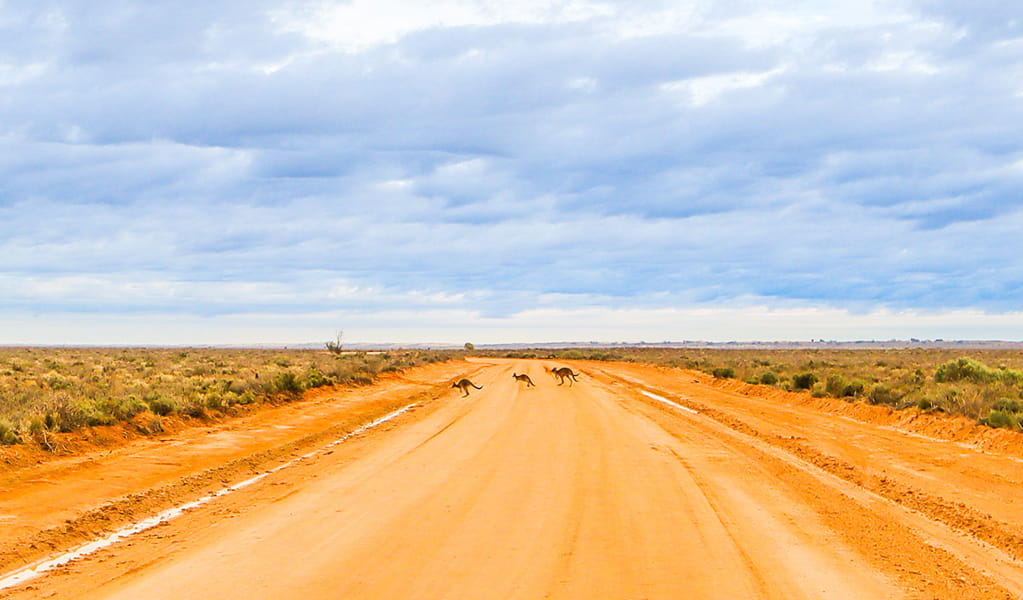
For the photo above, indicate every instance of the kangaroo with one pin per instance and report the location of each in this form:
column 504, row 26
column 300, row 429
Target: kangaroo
column 525, row 378
column 563, row 373
column 464, row 384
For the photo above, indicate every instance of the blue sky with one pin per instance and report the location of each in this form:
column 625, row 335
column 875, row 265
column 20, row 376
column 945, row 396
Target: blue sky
column 515, row 171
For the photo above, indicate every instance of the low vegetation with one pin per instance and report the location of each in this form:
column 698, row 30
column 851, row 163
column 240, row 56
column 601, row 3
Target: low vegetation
column 44, row 391
column 985, row 385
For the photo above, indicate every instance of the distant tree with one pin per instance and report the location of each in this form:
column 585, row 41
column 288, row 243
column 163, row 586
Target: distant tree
column 334, row 346
column 469, row 346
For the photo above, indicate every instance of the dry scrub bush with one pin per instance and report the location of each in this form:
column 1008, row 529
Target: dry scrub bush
column 8, row 434
column 44, row 391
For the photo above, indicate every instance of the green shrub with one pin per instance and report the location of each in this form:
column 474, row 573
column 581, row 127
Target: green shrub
column 881, row 394
column 215, row 401
column 56, row 382
column 1008, row 405
column 65, row 415
column 195, row 408
column 854, row 388
column 804, row 381
column 834, row 385
column 110, row 410
column 768, row 378
column 1001, row 418
column 36, row 426
column 8, row 434
column 314, row 379
column 969, row 369
column 963, row 368
column 286, row 383
column 723, row 373
column 160, row 405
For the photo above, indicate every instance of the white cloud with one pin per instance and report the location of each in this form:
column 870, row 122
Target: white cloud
column 455, row 326
column 12, row 74
column 705, row 90
column 906, row 62
column 473, row 161
column 362, row 24
column 763, row 24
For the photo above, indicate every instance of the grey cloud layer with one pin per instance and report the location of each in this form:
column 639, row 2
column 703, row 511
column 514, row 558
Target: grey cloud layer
column 153, row 148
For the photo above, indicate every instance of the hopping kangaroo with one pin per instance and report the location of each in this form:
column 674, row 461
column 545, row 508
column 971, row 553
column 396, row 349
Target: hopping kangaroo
column 464, row 384
column 523, row 377
column 563, row 373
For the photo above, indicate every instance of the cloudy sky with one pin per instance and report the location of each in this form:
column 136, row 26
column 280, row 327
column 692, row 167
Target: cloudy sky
column 252, row 171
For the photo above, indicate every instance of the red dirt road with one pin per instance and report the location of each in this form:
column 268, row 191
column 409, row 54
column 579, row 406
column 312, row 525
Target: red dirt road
column 635, row 482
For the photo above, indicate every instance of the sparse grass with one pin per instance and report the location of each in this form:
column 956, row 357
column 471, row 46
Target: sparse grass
column 48, row 390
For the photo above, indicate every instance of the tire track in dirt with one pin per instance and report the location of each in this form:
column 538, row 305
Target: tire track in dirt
column 24, row 575
column 119, row 513
column 956, row 515
column 980, row 537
